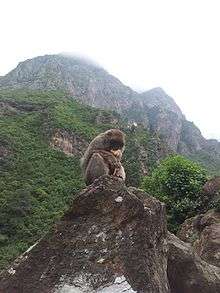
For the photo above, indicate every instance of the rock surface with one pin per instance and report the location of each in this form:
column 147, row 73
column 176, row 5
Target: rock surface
column 212, row 187
column 113, row 239
column 68, row 142
column 82, row 79
column 187, row 273
column 203, row 232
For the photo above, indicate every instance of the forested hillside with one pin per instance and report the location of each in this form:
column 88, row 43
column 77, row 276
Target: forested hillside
column 42, row 137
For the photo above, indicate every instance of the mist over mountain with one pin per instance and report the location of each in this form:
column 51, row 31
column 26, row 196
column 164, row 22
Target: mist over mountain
column 91, row 85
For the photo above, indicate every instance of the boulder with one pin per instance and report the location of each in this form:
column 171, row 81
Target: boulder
column 112, row 239
column 203, row 232
column 187, row 273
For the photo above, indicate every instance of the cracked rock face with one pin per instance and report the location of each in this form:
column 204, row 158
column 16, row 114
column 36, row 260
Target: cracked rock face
column 68, row 142
column 203, row 232
column 187, row 272
column 112, row 239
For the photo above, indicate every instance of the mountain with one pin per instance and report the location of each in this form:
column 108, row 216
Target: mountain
column 92, row 85
column 81, row 79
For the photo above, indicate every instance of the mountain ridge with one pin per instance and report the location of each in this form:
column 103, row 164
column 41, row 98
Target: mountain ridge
column 91, row 85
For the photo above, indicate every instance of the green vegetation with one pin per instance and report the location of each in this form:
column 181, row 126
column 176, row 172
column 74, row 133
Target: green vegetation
column 208, row 160
column 177, row 181
column 141, row 154
column 37, row 182
column 132, row 161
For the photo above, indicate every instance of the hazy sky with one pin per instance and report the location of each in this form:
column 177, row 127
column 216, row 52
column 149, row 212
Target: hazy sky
column 174, row 44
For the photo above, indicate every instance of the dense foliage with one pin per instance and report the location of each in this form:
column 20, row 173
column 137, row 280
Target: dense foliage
column 141, row 154
column 177, row 181
column 36, row 181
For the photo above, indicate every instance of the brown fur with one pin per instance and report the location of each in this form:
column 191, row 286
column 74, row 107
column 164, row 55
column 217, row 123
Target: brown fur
column 103, row 156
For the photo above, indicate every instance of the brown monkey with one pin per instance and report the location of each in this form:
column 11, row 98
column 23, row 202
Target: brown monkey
column 103, row 156
column 113, row 160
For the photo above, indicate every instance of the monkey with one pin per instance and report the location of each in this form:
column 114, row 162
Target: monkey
column 113, row 160
column 103, row 156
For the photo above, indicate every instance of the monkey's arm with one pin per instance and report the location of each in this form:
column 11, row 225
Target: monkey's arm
column 96, row 168
column 120, row 172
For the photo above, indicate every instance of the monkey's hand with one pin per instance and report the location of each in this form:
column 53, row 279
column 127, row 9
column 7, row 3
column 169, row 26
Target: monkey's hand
column 117, row 154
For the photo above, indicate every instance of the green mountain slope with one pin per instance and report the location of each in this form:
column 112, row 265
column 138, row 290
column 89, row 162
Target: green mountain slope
column 91, row 85
column 37, row 179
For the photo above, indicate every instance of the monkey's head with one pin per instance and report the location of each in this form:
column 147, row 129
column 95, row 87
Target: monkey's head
column 114, row 140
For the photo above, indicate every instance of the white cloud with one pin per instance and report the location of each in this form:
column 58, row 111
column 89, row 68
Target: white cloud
column 173, row 44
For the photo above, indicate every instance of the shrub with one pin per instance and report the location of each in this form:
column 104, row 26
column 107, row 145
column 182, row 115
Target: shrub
column 177, row 181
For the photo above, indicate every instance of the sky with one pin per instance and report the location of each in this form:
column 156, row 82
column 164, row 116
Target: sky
column 173, row 44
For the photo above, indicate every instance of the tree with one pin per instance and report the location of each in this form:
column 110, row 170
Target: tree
column 177, row 181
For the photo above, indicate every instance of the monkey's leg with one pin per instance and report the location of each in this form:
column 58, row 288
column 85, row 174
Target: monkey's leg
column 96, row 168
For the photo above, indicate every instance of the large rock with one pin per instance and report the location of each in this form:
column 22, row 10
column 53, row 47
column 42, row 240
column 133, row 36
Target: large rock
column 203, row 232
column 212, row 187
column 187, row 273
column 113, row 239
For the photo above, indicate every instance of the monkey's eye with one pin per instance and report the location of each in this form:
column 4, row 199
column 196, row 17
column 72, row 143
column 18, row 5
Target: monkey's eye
column 115, row 144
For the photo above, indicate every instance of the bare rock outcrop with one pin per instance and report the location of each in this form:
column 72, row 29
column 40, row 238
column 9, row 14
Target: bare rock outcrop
column 187, row 273
column 82, row 79
column 112, row 239
column 203, row 232
column 212, row 187
column 68, row 142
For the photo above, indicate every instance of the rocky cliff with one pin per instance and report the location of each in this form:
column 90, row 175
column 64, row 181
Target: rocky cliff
column 203, row 232
column 92, row 85
column 112, row 239
column 83, row 80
